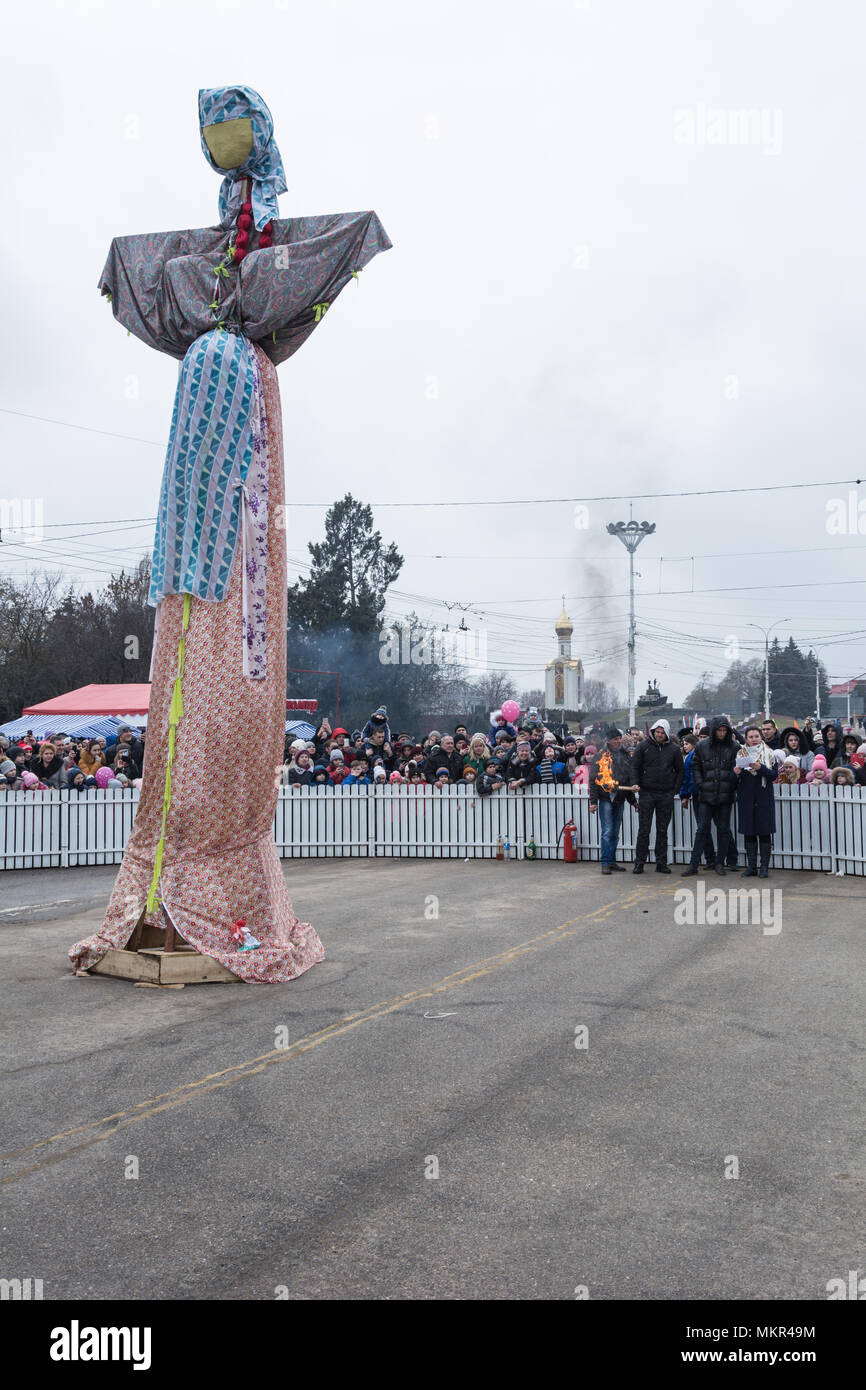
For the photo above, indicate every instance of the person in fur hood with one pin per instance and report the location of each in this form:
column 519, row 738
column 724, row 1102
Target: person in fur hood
column 794, row 743
column 842, row 776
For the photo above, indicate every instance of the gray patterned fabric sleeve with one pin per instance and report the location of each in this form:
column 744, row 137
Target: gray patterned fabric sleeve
column 162, row 284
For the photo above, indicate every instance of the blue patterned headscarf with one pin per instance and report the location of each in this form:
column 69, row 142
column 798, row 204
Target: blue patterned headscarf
column 263, row 166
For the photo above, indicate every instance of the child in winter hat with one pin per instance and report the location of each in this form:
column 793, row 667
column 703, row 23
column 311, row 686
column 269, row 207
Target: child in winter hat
column 818, row 771
column 790, row 771
column 843, row 776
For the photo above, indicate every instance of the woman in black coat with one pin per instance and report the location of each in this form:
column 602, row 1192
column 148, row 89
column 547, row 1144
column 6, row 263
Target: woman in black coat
column 756, row 804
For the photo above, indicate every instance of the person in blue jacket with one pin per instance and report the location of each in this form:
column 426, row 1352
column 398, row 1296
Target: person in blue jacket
column 689, row 793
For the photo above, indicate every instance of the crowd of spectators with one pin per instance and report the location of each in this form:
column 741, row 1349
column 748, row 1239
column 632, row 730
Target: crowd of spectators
column 508, row 757
column 62, row 761
column 505, row 758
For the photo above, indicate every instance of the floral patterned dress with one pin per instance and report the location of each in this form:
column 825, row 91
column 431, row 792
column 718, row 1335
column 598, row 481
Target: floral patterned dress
column 202, row 854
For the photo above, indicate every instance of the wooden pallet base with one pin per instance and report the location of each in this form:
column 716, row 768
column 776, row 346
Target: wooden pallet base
column 153, row 965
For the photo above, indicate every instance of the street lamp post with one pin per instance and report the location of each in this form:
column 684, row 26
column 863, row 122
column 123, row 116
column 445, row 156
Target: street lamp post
column 766, row 631
column 631, row 533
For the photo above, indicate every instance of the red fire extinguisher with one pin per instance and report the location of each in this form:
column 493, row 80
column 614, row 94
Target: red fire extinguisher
column 568, row 835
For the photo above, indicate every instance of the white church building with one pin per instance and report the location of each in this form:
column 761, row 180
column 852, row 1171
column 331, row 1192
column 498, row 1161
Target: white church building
column 563, row 675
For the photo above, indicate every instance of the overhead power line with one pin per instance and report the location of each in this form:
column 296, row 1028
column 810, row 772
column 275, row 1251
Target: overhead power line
column 480, row 502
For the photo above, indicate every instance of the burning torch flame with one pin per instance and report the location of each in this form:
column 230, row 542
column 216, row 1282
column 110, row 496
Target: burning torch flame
column 605, row 778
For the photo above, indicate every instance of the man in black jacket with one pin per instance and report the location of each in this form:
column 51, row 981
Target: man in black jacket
column 447, row 757
column 715, row 782
column 657, row 765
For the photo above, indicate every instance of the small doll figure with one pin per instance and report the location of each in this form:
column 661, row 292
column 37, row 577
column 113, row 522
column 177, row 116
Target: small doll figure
column 243, row 937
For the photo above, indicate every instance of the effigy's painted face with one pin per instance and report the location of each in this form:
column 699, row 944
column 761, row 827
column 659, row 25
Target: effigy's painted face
column 230, row 142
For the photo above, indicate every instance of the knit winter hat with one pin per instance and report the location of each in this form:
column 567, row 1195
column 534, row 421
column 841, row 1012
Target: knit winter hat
column 379, row 773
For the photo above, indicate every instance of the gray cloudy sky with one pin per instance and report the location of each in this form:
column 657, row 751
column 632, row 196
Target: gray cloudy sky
column 588, row 294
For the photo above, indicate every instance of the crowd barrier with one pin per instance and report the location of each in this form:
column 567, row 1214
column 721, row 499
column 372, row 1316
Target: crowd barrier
column 817, row 828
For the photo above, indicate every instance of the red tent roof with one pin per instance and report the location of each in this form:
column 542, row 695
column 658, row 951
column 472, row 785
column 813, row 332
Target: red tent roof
column 96, row 699
column 845, row 687
column 116, row 700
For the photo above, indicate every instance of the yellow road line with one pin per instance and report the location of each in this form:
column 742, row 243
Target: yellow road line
column 168, row 1100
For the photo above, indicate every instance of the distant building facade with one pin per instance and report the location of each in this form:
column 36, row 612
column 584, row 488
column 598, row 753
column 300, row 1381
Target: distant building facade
column 563, row 674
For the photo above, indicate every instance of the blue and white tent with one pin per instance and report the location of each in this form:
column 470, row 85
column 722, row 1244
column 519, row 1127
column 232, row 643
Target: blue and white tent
column 80, row 725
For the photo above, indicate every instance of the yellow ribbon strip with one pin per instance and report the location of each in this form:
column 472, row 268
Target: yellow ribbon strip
column 175, row 714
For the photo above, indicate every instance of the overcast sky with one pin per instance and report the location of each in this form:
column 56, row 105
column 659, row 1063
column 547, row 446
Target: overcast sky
column 587, row 294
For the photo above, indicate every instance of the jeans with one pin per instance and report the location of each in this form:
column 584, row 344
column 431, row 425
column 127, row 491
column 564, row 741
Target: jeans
column 610, row 821
column 720, row 816
column 709, row 847
column 662, row 803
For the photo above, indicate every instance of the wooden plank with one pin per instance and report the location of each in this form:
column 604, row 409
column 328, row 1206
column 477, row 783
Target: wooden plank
column 127, row 965
column 192, row 968
column 152, row 966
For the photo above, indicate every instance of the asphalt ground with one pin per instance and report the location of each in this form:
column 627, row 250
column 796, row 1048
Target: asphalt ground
column 287, row 1138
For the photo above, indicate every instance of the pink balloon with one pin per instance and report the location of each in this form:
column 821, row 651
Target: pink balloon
column 511, row 710
column 104, row 775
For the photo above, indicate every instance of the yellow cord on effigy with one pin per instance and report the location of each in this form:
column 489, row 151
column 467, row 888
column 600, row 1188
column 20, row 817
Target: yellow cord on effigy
column 175, row 714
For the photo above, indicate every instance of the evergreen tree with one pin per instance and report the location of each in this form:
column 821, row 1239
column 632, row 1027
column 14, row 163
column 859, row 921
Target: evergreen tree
column 349, row 576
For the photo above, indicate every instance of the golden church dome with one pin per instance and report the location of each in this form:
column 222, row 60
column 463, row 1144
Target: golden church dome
column 564, row 625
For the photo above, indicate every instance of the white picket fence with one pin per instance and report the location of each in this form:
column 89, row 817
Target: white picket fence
column 818, row 829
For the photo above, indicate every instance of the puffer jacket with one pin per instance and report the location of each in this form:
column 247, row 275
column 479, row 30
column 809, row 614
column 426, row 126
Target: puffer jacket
column 713, row 766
